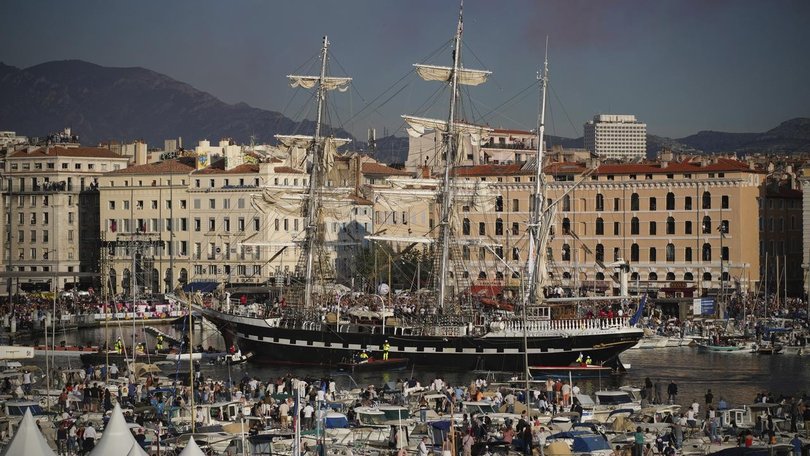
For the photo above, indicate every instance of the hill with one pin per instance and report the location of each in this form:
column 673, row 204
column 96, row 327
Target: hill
column 101, row 103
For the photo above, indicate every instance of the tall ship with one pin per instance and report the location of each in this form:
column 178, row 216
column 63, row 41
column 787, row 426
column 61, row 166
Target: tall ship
column 457, row 331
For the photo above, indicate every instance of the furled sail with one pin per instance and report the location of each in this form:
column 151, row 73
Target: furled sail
column 442, row 73
column 329, row 83
column 278, row 202
column 330, row 146
column 422, row 124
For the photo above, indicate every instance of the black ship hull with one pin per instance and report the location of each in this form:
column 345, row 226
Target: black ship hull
column 326, row 345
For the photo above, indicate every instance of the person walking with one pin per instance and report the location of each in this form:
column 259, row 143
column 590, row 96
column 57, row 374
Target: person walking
column 386, row 348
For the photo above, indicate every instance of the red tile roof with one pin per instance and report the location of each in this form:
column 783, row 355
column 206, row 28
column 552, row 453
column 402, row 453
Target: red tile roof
column 693, row 166
column 57, row 151
column 359, row 200
column 380, row 169
column 183, row 165
column 217, row 168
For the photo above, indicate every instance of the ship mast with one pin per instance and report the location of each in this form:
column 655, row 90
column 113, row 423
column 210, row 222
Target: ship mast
column 314, row 180
column 449, row 157
column 537, row 253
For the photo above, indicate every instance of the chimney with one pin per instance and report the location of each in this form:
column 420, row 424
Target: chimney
column 425, row 172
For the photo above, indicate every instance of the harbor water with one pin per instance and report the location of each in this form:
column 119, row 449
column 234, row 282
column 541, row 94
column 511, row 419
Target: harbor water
column 737, row 377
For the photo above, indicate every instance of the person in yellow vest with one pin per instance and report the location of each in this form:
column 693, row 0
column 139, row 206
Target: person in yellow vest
column 588, row 361
column 159, row 343
column 580, row 359
column 363, row 356
column 119, row 346
column 386, row 347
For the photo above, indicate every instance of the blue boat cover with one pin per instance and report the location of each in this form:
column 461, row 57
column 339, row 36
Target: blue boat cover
column 202, row 287
column 589, row 444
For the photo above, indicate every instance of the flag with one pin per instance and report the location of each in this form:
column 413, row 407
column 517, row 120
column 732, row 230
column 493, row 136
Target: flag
column 639, row 311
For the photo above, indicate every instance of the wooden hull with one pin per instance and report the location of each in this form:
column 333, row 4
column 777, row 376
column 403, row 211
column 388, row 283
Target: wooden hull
column 375, row 365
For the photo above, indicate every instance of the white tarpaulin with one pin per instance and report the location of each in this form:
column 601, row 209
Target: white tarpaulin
column 441, row 73
column 422, row 124
column 116, row 438
column 192, row 449
column 329, row 83
column 28, row 440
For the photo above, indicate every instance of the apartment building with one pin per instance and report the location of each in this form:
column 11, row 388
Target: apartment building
column 683, row 227
column 51, row 201
column 619, row 137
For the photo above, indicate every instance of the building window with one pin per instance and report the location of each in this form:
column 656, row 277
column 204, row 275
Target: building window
column 616, row 228
column 615, row 204
column 707, row 252
column 707, row 224
column 634, row 253
column 566, row 226
column 634, row 226
column 634, row 202
column 653, row 255
column 724, row 202
column 670, row 201
column 515, row 205
column 600, row 202
column 600, row 252
column 687, row 227
column 566, row 203
column 256, row 224
column 499, row 227
column 465, row 227
column 482, row 229
column 687, row 203
column 653, row 204
column 515, row 229
column 499, row 204
column 670, row 252
column 600, row 226
column 670, row 225
column 240, row 224
column 515, row 254
column 566, row 252
column 687, row 254
column 653, row 230
column 707, row 200
column 688, row 276
column 707, row 276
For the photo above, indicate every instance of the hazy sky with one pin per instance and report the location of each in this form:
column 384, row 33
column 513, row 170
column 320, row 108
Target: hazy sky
column 679, row 65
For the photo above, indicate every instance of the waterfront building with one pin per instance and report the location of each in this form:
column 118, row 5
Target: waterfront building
column 51, row 200
column 613, row 136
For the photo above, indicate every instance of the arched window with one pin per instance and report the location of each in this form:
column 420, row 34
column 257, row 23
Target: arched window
column 126, row 281
column 671, row 253
column 634, row 225
column 670, row 276
column 707, row 252
column 482, row 275
column 499, row 204
column 566, row 203
column 566, row 226
column 600, row 226
column 652, row 276
column 465, row 252
column 707, row 276
column 670, row 225
column 707, row 224
column 600, row 202
column 169, row 280
column 499, row 227
column 634, row 252
column 465, row 227
column 566, row 252
column 707, row 200
column 634, row 276
column 183, row 276
column 566, row 275
column 113, row 282
column 600, row 276
column 670, row 201
column 465, row 274
column 725, row 276
column 634, row 202
column 688, row 276
column 600, row 252
column 499, row 275
column 653, row 255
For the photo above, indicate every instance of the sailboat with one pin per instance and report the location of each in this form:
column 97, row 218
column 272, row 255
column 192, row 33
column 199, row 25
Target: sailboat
column 461, row 335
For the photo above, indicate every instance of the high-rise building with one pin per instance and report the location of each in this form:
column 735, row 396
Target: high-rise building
column 613, row 136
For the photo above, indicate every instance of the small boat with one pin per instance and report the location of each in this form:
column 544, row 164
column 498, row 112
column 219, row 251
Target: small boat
column 373, row 364
column 236, row 358
column 771, row 349
column 704, row 347
column 576, row 371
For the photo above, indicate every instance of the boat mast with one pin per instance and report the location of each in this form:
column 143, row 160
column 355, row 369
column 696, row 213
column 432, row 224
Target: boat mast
column 314, row 180
column 449, row 157
column 538, row 255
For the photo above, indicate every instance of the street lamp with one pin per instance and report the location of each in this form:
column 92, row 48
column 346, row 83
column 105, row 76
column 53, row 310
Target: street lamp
column 722, row 230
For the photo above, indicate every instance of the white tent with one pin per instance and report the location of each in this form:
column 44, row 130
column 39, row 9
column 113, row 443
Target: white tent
column 28, row 440
column 192, row 449
column 116, row 438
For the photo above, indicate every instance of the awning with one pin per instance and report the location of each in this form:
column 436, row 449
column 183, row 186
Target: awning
column 202, row 287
